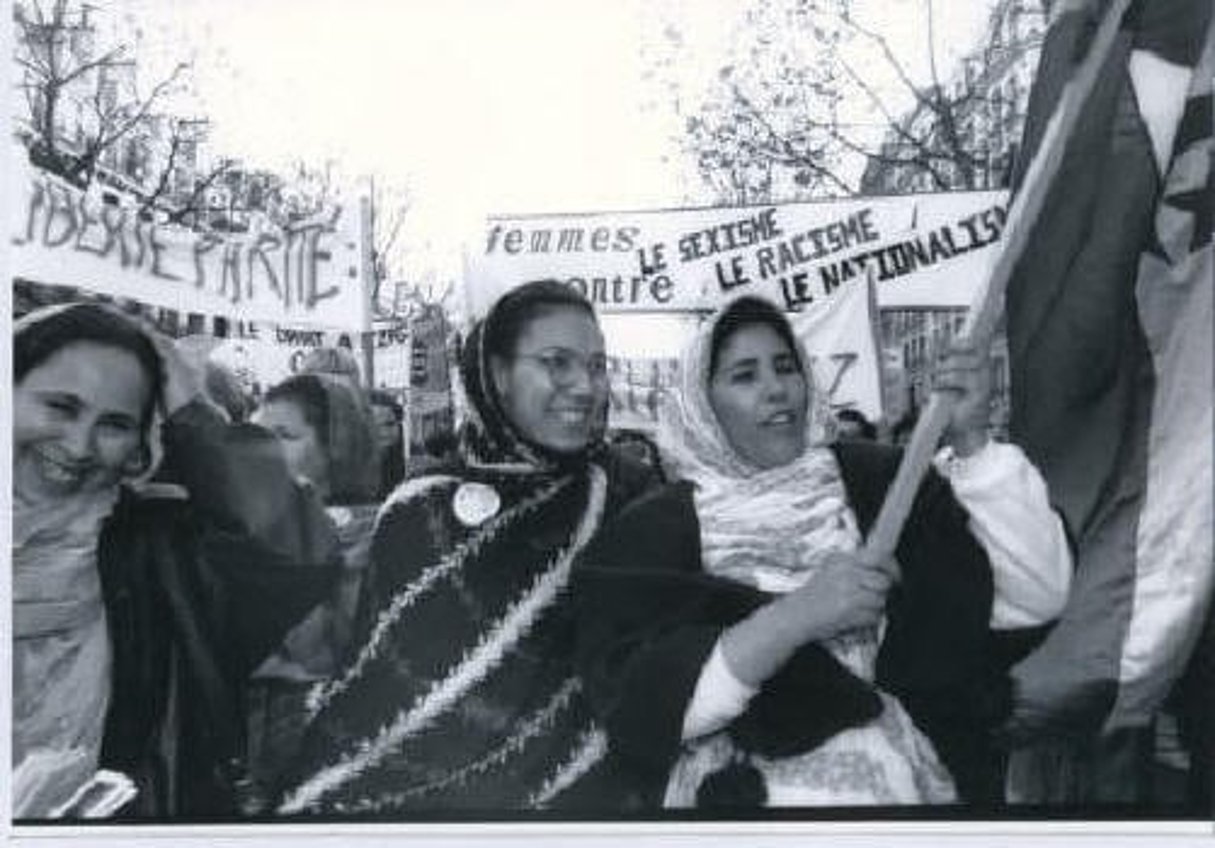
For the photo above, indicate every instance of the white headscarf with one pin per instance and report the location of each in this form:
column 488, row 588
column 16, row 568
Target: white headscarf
column 766, row 527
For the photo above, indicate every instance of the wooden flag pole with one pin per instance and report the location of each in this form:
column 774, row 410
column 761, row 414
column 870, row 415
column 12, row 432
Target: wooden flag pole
column 989, row 301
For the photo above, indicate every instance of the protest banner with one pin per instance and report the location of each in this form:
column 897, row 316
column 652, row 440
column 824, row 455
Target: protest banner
column 812, row 259
column 307, row 274
column 844, row 351
column 273, row 352
column 924, row 250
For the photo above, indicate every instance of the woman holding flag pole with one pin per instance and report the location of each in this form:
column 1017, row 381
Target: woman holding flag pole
column 735, row 633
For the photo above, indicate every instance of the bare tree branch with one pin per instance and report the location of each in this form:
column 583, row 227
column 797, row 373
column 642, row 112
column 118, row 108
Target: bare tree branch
column 33, row 67
column 884, row 45
column 110, row 59
column 772, row 110
column 53, row 65
column 191, row 204
column 166, row 173
column 114, row 123
column 783, row 144
column 896, row 126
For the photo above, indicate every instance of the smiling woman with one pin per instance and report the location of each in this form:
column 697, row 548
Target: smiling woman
column 79, row 419
column 554, row 382
column 109, row 626
column 462, row 693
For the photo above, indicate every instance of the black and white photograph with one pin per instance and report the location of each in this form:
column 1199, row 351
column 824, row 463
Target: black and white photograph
column 551, row 419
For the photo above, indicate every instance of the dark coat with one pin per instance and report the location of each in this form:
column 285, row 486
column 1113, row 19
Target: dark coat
column 201, row 580
column 650, row 617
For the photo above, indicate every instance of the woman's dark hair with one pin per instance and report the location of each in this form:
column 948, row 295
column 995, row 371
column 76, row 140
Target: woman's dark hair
column 748, row 312
column 392, row 458
column 510, row 316
column 639, row 446
column 379, row 397
column 38, row 340
column 866, row 428
column 308, row 393
column 338, row 416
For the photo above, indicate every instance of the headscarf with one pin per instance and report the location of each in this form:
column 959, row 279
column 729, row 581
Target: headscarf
column 766, row 527
column 61, row 647
column 344, row 430
column 489, row 440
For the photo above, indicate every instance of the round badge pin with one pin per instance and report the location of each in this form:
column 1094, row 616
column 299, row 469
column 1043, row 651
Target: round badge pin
column 474, row 503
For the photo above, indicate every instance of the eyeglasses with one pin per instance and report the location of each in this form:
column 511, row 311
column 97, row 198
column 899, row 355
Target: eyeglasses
column 565, row 365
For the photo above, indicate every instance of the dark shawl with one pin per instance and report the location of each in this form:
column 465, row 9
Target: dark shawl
column 650, row 616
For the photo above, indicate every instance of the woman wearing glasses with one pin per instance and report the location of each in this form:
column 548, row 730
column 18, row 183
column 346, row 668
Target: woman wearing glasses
column 462, row 694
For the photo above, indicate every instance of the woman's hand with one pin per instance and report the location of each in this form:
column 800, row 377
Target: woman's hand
column 847, row 593
column 965, row 371
column 181, row 381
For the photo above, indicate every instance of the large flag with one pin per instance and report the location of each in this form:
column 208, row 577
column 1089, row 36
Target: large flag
column 1110, row 344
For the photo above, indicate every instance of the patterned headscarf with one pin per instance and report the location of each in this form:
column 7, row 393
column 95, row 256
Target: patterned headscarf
column 765, row 527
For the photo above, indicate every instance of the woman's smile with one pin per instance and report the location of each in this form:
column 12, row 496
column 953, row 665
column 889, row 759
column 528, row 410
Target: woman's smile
column 780, row 419
column 60, row 469
column 573, row 416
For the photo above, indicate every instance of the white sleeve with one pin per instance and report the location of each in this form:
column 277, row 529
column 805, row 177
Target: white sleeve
column 718, row 699
column 1011, row 516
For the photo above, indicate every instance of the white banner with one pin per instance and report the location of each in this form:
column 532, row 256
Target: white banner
column 924, row 250
column 308, row 274
column 272, row 353
column 843, row 349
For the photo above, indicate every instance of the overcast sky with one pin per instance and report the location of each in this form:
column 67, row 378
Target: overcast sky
column 478, row 106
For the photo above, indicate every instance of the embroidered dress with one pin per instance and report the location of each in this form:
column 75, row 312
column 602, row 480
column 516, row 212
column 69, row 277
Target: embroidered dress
column 772, row 529
column 462, row 693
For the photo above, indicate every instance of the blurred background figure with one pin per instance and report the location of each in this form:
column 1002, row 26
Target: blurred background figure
column 329, row 440
column 336, row 361
column 852, row 424
column 225, row 376
column 225, row 389
column 327, row 433
column 639, row 447
column 443, row 448
column 440, row 454
column 388, row 415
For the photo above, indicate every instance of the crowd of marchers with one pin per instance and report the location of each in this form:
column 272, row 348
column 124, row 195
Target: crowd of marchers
column 239, row 612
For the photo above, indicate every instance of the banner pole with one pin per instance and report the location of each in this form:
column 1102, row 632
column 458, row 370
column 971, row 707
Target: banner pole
column 367, row 248
column 875, row 331
column 988, row 303
column 407, row 396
